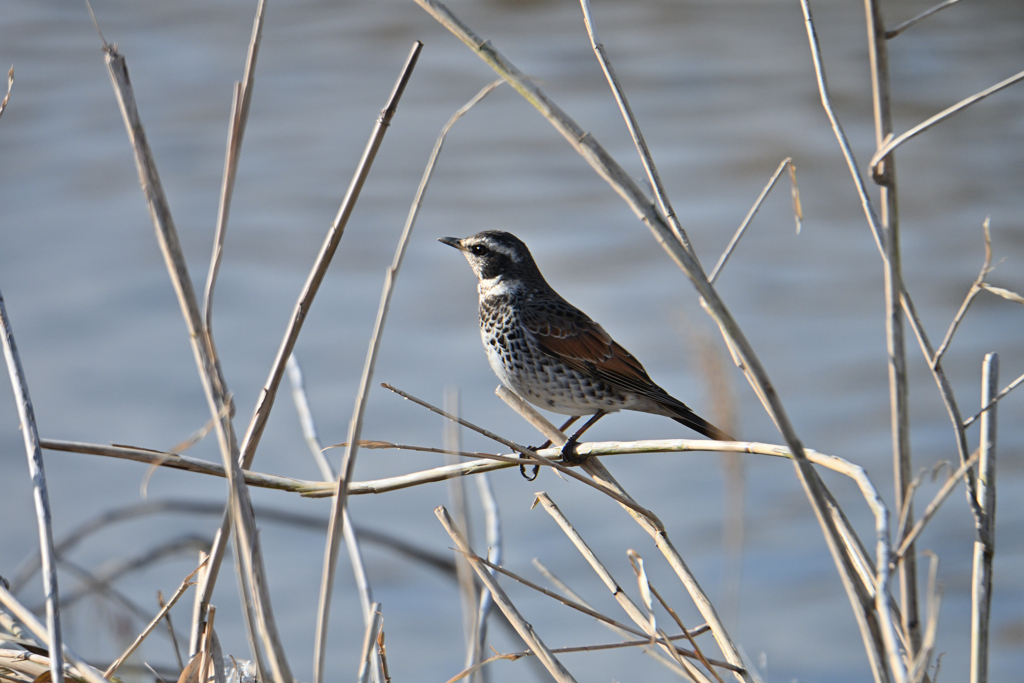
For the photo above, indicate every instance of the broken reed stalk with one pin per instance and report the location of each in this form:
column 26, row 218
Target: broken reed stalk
column 41, row 498
column 885, row 177
column 985, row 544
column 522, row 627
column 338, row 505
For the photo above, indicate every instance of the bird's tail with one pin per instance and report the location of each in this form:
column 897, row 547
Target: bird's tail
column 683, row 415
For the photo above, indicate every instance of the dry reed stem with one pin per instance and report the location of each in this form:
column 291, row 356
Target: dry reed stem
column 785, row 163
column 186, row 463
column 339, row 504
column 634, row 130
column 885, row 177
column 164, row 609
column 513, row 656
column 226, row 192
column 624, row 185
column 573, row 601
column 488, row 463
column 628, row 606
column 985, row 543
column 891, row 144
column 40, row 497
column 29, row 621
column 523, row 628
column 600, row 473
column 874, row 639
column 577, row 605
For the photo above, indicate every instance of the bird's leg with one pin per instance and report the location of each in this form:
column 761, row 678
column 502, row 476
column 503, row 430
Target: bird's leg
column 568, row 423
column 569, row 456
column 546, row 444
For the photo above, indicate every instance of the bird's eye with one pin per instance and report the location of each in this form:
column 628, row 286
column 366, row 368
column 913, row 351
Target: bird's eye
column 478, row 249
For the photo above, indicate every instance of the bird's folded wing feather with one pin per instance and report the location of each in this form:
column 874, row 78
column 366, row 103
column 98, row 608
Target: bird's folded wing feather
column 567, row 334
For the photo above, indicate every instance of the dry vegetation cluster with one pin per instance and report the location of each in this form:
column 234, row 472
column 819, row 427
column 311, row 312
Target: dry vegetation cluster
column 879, row 571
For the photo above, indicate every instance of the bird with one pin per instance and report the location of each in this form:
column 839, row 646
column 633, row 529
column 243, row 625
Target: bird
column 551, row 353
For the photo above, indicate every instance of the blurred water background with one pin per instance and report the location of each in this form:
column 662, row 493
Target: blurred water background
column 724, row 91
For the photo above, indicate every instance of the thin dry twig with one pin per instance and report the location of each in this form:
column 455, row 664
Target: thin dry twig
column 998, row 397
column 740, row 231
column 41, row 498
column 646, row 592
column 891, row 144
column 185, row 585
column 986, row 268
column 892, row 33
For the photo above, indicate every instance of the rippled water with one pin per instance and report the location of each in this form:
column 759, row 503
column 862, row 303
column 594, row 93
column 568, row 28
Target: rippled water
column 724, row 91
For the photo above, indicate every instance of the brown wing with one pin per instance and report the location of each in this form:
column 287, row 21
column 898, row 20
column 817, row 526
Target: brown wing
column 570, row 336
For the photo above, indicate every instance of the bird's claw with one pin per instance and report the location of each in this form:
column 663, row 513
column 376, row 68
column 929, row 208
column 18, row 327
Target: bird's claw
column 569, row 455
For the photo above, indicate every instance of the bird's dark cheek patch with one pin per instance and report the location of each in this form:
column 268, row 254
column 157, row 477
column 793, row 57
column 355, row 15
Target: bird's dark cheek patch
column 497, row 264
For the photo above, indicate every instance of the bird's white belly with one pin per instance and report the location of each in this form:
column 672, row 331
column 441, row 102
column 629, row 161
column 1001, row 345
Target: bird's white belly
column 546, row 384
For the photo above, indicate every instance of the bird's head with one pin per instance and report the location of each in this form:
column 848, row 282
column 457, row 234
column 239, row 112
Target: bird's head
column 495, row 256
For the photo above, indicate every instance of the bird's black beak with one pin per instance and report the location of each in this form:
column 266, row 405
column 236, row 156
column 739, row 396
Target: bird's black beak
column 452, row 242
